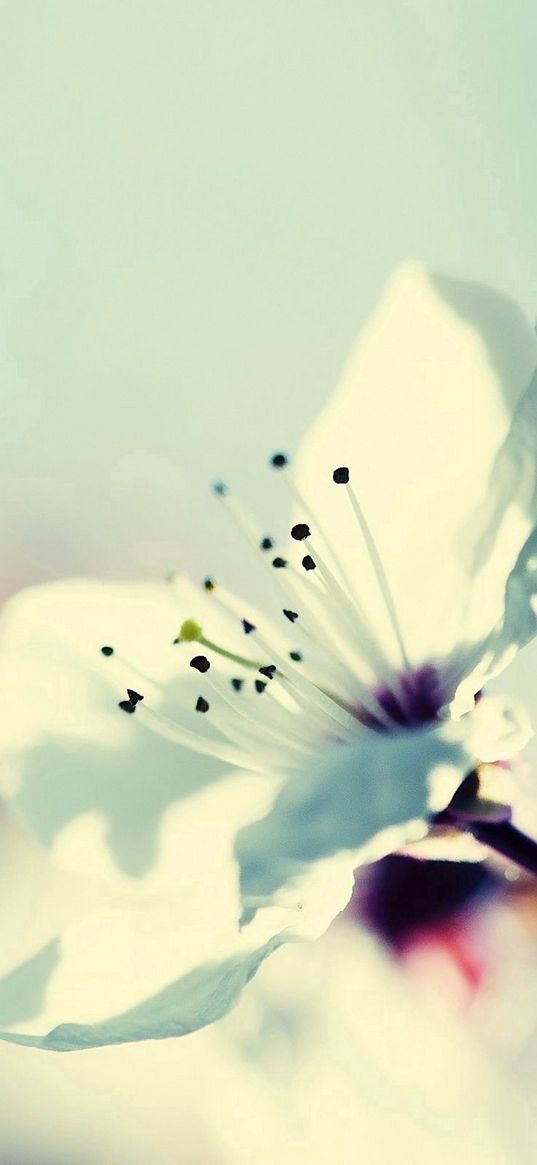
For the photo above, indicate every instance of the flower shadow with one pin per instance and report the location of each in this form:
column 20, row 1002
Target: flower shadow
column 132, row 782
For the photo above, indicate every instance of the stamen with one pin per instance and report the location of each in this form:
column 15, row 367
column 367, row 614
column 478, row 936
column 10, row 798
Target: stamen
column 302, row 502
column 200, row 663
column 345, row 609
column 328, row 701
column 127, row 705
column 269, row 734
column 368, row 644
column 230, row 605
column 259, row 732
column 189, row 632
column 336, row 650
column 242, row 518
column 129, row 666
column 262, row 738
column 314, row 557
column 375, row 560
column 309, row 691
column 256, row 733
column 221, row 750
column 284, row 571
column 194, row 633
column 232, row 655
column 254, row 536
column 202, row 705
column 300, row 531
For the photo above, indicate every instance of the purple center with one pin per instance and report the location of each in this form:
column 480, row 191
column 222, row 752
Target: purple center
column 400, row 897
column 418, row 700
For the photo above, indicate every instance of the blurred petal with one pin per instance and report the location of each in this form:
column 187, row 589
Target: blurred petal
column 359, row 802
column 520, row 620
column 499, row 728
column 336, row 1056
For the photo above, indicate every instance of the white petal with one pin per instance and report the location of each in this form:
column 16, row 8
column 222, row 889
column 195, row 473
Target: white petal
column 520, row 680
column 113, row 801
column 146, row 958
column 499, row 728
column 423, row 410
column 165, row 955
column 519, row 623
column 353, row 805
column 37, row 898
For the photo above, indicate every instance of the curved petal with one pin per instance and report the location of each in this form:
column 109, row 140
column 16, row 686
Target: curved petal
column 37, row 897
column 516, row 628
column 520, row 679
column 519, row 624
column 425, row 406
column 354, row 804
column 140, row 958
column 184, row 1006
column 152, row 947
column 99, row 790
column 164, row 955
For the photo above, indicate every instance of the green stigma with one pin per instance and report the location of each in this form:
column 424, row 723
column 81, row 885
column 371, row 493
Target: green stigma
column 190, row 632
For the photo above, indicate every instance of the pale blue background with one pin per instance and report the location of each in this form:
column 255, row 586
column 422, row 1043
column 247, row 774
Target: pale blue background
column 201, row 201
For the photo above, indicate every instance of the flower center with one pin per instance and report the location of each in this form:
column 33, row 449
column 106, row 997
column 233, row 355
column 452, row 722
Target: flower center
column 415, row 702
column 329, row 682
column 399, row 896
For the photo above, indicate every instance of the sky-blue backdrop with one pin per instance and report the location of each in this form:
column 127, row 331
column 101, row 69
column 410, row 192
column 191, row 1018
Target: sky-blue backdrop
column 200, row 202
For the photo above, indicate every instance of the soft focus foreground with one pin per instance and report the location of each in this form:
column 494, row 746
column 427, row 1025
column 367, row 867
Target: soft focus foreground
column 331, row 1056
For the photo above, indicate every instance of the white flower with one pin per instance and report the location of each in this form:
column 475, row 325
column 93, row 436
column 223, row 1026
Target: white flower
column 349, row 708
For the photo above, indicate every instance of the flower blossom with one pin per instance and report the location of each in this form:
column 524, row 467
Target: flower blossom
column 347, row 714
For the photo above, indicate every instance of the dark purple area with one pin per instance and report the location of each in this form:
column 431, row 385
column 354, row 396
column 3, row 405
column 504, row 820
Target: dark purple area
column 401, row 897
column 417, row 701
